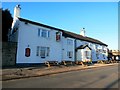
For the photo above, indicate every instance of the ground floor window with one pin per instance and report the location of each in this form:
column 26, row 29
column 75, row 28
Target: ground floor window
column 42, row 51
column 70, row 54
column 97, row 54
column 88, row 54
column 103, row 56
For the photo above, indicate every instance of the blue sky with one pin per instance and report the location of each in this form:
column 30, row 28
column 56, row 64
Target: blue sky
column 100, row 19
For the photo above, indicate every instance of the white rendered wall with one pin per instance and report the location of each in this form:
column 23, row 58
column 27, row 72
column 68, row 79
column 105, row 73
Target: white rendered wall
column 28, row 35
column 79, row 55
column 66, row 48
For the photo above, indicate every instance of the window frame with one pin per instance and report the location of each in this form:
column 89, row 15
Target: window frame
column 69, row 41
column 43, row 33
column 42, row 51
column 70, row 54
column 87, row 54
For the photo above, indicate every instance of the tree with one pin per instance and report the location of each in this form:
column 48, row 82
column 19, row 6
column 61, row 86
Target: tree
column 6, row 23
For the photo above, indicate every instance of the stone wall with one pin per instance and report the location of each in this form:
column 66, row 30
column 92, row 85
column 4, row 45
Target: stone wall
column 9, row 50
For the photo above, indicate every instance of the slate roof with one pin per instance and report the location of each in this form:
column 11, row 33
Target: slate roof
column 65, row 33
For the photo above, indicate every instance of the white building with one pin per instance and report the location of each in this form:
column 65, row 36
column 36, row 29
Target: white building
column 37, row 43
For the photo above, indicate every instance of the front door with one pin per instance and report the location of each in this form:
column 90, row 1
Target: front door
column 87, row 55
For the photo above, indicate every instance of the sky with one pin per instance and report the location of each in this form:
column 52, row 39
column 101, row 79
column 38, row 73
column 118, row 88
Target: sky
column 100, row 19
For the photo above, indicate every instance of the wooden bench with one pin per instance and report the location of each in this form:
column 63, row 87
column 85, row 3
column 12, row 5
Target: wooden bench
column 113, row 61
column 51, row 63
column 66, row 63
column 79, row 62
column 83, row 63
column 103, row 62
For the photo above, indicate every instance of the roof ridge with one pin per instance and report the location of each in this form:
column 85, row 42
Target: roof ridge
column 65, row 32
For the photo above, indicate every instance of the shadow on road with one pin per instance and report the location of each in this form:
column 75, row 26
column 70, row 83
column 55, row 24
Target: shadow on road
column 113, row 83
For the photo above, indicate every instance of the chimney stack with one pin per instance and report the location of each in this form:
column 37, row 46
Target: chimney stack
column 17, row 11
column 82, row 32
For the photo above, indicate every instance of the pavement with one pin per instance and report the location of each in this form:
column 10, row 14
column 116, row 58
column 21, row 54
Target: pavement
column 27, row 72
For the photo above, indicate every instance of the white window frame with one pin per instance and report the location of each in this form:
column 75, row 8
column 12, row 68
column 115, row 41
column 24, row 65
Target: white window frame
column 87, row 54
column 69, row 41
column 39, row 32
column 70, row 54
column 43, row 33
column 42, row 51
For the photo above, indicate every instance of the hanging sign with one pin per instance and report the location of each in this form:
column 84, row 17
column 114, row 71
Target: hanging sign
column 57, row 36
column 27, row 52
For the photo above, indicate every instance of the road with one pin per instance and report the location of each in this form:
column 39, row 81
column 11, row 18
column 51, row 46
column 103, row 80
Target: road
column 103, row 77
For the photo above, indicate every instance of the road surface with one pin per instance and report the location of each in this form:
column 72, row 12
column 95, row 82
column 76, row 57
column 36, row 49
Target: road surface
column 103, row 77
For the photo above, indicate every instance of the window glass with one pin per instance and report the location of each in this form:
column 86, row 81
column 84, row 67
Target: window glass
column 37, row 51
column 88, row 54
column 42, row 51
column 48, row 34
column 69, row 41
column 44, row 33
column 47, row 53
column 38, row 32
column 70, row 54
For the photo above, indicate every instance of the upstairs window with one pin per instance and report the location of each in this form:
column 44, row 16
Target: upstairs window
column 69, row 41
column 43, row 33
column 38, row 32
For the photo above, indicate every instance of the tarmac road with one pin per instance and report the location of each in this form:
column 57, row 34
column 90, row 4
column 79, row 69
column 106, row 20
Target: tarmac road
column 103, row 77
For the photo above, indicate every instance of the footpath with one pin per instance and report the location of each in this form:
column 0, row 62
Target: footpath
column 27, row 72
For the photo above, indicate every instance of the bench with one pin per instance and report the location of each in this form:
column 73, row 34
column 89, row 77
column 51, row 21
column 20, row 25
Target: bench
column 79, row 62
column 66, row 63
column 103, row 62
column 51, row 63
column 83, row 63
column 113, row 61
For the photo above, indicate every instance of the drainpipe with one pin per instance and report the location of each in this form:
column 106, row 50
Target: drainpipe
column 75, row 45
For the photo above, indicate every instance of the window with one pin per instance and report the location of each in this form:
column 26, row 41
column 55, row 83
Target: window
column 37, row 53
column 88, row 54
column 48, row 50
column 42, row 51
column 104, row 51
column 69, row 41
column 43, row 33
column 90, row 45
column 97, row 54
column 103, row 56
column 38, row 32
column 70, row 54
